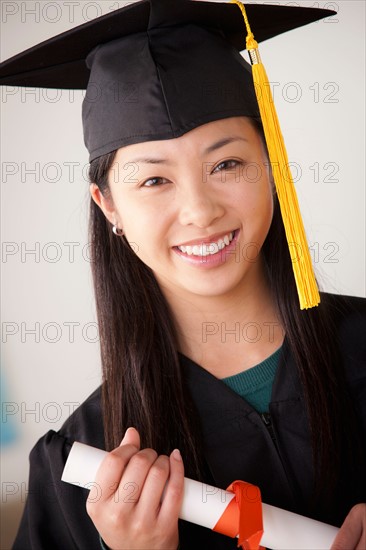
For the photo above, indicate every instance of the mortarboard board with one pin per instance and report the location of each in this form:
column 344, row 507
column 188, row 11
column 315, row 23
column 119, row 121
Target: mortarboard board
column 151, row 68
column 151, row 72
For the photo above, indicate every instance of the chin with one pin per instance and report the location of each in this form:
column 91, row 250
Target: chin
column 214, row 286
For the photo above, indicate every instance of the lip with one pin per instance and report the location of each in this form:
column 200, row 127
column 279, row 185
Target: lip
column 206, row 240
column 211, row 260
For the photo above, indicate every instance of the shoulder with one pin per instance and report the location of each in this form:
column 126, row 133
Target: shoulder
column 340, row 304
column 85, row 424
column 347, row 317
column 48, row 456
column 55, row 515
column 347, row 314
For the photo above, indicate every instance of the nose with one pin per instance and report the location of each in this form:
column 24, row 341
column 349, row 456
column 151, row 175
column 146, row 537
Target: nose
column 199, row 206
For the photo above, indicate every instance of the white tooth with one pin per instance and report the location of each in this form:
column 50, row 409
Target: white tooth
column 206, row 249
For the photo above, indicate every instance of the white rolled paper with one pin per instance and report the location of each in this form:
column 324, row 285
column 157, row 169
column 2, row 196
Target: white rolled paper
column 204, row 504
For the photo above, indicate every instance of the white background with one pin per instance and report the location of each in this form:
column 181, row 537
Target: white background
column 318, row 76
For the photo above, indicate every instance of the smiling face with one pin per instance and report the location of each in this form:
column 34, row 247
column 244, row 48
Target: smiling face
column 195, row 209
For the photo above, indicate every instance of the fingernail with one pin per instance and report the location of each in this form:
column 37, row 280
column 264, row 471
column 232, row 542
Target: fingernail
column 176, row 454
column 125, row 436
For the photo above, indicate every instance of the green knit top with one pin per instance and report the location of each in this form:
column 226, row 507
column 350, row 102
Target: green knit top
column 255, row 384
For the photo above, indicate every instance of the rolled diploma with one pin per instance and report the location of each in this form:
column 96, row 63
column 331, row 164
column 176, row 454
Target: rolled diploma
column 204, row 504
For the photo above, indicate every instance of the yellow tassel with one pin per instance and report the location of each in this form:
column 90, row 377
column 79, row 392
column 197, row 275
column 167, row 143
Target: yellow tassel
column 301, row 261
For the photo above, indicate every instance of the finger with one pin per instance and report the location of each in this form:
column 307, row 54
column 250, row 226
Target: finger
column 151, row 496
column 173, row 496
column 352, row 533
column 111, row 470
column 347, row 538
column 131, row 437
column 134, row 476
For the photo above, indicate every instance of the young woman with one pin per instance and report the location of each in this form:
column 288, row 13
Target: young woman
column 196, row 302
column 211, row 370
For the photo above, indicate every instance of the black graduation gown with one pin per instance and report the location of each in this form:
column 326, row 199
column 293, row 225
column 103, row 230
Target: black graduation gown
column 238, row 445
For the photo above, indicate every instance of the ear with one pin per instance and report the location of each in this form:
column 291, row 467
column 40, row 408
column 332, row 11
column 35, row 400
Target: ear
column 104, row 203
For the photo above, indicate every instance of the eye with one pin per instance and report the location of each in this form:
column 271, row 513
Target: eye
column 226, row 165
column 154, row 182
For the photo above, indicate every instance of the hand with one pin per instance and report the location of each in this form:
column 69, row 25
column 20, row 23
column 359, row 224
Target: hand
column 128, row 510
column 352, row 534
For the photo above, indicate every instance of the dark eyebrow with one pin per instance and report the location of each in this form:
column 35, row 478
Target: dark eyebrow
column 222, row 142
column 149, row 160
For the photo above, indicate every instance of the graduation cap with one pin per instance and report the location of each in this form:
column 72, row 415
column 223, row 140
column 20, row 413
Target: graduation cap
column 156, row 69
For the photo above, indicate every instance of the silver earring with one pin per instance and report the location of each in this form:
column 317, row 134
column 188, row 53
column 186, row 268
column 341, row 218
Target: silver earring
column 117, row 231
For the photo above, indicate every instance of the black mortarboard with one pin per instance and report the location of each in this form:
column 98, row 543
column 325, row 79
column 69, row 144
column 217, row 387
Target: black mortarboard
column 156, row 68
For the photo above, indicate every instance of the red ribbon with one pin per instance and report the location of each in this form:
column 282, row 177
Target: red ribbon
column 243, row 516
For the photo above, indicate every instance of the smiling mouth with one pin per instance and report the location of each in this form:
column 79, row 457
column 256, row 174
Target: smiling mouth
column 208, row 249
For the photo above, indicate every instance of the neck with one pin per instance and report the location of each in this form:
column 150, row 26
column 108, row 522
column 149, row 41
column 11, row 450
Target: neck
column 229, row 333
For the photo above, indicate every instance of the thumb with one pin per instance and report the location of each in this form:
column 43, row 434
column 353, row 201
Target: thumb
column 131, row 437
